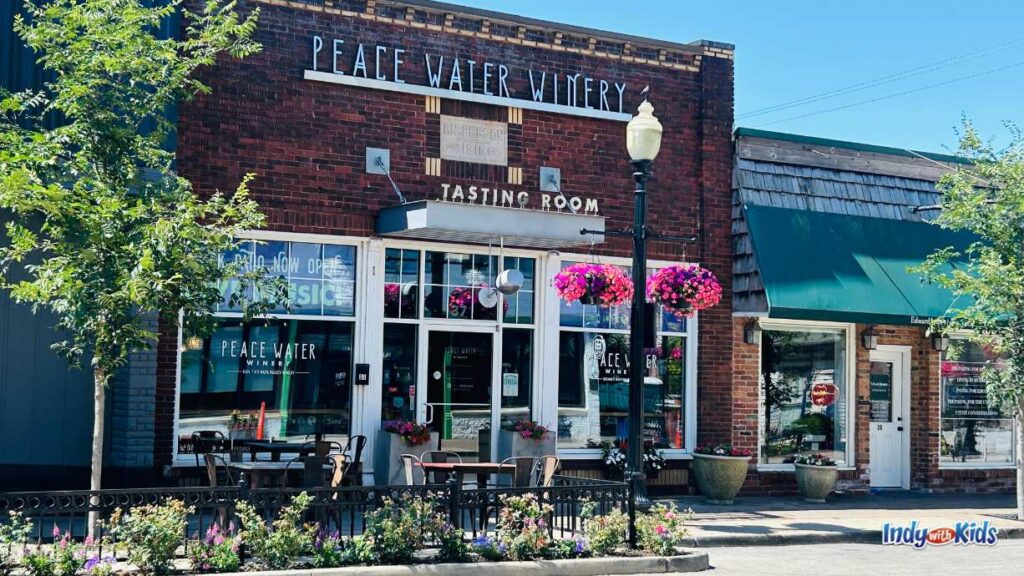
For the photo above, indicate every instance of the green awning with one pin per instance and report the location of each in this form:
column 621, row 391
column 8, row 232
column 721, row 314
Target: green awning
column 821, row 266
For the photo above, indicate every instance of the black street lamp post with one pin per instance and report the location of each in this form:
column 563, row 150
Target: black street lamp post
column 643, row 141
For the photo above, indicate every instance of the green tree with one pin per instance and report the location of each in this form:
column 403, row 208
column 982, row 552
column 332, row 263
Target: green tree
column 986, row 197
column 106, row 231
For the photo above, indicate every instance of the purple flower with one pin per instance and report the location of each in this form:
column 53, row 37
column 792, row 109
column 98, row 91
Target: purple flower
column 56, row 531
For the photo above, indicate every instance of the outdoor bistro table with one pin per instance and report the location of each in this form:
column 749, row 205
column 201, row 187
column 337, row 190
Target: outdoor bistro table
column 263, row 473
column 460, row 469
column 277, row 448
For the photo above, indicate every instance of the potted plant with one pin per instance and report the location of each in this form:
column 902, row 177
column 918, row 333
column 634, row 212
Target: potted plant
column 400, row 437
column 615, row 459
column 242, row 426
column 594, row 284
column 720, row 471
column 816, row 476
column 525, row 438
column 683, row 290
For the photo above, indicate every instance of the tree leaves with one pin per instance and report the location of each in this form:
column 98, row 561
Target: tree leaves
column 107, row 232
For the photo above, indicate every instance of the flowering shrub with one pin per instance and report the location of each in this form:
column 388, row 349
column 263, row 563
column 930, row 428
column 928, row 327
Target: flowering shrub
column 413, row 433
column 522, row 527
column 530, row 429
column 684, row 289
column 451, row 544
column 722, row 450
column 217, row 551
column 359, row 550
column 604, row 533
column 488, row 548
column 280, row 548
column 328, row 550
column 13, row 533
column 400, row 529
column 97, row 565
column 601, row 284
column 152, row 534
column 813, row 460
column 662, row 529
column 567, row 548
column 64, row 558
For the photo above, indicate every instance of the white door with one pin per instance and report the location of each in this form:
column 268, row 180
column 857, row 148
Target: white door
column 890, row 427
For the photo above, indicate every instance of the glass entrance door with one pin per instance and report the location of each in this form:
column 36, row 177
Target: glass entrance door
column 459, row 379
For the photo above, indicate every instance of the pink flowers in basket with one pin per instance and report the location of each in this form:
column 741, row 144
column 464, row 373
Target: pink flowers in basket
column 684, row 289
column 600, row 284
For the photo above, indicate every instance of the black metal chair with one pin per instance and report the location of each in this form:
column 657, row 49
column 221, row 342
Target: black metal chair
column 207, row 441
column 524, row 472
column 317, row 471
column 354, row 450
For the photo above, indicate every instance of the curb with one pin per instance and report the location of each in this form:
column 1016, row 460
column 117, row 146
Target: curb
column 694, row 561
column 851, row 537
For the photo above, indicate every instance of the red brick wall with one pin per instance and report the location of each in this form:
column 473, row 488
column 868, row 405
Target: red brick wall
column 305, row 142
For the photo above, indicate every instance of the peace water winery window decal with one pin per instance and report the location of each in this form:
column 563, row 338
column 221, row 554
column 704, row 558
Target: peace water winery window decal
column 396, row 69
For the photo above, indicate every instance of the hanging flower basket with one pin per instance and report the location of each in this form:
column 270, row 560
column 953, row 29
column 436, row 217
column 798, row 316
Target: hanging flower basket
column 594, row 284
column 682, row 290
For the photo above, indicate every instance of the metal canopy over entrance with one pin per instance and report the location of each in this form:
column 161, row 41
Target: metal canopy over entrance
column 477, row 224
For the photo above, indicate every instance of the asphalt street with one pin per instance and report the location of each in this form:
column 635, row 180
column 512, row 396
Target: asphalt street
column 1005, row 557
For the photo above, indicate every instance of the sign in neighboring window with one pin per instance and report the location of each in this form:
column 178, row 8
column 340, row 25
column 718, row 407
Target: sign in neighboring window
column 320, row 277
column 976, row 429
column 881, row 391
column 803, row 393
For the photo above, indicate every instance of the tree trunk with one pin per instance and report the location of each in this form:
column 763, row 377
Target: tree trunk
column 1020, row 459
column 99, row 420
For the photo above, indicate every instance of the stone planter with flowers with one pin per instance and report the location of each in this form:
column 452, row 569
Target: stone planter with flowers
column 525, row 438
column 816, row 476
column 400, row 437
column 720, row 471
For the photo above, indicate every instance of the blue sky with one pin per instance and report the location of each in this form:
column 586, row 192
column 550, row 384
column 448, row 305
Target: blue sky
column 789, row 50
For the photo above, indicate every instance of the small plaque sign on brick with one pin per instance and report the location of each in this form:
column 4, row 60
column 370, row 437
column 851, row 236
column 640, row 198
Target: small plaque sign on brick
column 476, row 141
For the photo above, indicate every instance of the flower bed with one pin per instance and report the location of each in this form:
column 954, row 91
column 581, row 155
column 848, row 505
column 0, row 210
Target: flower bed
column 410, row 531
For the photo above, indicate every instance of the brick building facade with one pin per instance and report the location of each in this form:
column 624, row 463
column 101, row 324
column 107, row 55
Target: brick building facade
column 305, row 122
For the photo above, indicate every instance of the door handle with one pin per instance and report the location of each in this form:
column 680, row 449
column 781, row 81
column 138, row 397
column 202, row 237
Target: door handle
column 430, row 413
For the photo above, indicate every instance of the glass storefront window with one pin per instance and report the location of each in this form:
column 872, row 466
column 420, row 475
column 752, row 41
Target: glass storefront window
column 398, row 387
column 519, row 306
column 975, row 429
column 298, row 370
column 593, row 388
column 452, row 284
column 516, row 375
column 401, row 283
column 795, row 421
column 320, row 277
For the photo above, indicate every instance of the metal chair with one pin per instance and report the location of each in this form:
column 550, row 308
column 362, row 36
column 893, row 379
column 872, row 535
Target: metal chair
column 354, row 449
column 438, row 457
column 216, row 464
column 316, row 470
column 205, row 441
column 525, row 470
column 410, row 464
column 545, row 471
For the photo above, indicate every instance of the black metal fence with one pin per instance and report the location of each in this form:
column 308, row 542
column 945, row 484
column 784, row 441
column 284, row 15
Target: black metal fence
column 343, row 509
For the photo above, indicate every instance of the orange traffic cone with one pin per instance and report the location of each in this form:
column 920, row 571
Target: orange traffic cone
column 262, row 420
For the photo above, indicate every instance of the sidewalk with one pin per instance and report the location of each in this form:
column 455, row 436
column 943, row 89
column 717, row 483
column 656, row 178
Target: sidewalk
column 845, row 518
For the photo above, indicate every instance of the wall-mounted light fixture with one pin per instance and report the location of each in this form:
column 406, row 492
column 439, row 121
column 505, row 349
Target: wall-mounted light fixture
column 752, row 332
column 940, row 342
column 378, row 161
column 868, row 338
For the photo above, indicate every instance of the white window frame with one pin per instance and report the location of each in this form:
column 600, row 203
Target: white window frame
column 851, row 386
column 358, row 318
column 690, row 385
column 963, row 335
